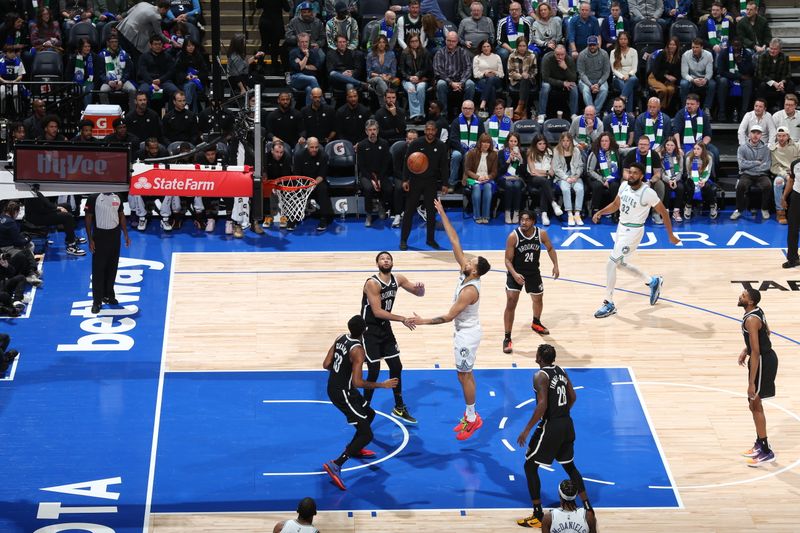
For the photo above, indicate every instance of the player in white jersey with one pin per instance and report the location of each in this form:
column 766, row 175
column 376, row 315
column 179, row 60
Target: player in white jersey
column 568, row 518
column 306, row 510
column 634, row 201
column 464, row 315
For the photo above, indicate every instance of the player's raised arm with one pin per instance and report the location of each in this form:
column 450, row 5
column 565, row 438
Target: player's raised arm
column 451, row 234
column 357, row 358
column 417, row 288
column 467, row 296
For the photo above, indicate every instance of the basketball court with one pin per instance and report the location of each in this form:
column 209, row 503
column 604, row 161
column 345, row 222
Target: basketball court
column 199, row 404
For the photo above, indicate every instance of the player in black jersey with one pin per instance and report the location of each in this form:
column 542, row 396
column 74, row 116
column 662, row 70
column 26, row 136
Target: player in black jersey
column 523, row 247
column 345, row 361
column 555, row 436
column 762, row 369
column 377, row 302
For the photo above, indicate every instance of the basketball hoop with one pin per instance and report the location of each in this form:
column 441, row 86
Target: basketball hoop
column 293, row 193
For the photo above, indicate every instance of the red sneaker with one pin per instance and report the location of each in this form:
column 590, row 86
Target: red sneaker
column 461, row 423
column 539, row 328
column 365, row 454
column 470, row 428
column 335, row 472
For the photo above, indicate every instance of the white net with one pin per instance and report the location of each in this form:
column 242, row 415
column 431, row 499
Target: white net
column 293, row 193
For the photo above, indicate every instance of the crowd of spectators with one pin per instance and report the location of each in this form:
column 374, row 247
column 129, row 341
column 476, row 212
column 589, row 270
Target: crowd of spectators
column 635, row 80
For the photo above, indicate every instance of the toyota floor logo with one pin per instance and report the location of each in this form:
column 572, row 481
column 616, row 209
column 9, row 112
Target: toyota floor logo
column 142, row 183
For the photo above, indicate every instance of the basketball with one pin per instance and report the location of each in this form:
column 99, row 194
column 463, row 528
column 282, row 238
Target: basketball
column 417, row 162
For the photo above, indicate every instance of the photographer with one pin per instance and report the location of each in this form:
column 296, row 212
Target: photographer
column 16, row 245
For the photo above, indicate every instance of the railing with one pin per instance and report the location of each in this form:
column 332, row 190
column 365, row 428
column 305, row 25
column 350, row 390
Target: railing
column 61, row 98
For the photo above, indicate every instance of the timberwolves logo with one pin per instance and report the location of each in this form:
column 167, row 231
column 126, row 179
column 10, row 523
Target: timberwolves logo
column 463, row 365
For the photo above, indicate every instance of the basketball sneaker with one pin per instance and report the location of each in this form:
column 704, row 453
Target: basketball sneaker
column 267, row 221
column 142, row 225
column 365, row 454
column 761, row 458
column 335, row 472
column 461, row 422
column 607, row 309
column 656, row 282
column 403, row 414
column 752, row 452
column 508, row 346
column 529, row 521
column 539, row 328
column 470, row 428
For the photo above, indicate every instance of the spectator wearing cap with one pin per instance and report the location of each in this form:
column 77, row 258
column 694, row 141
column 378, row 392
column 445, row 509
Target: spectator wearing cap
column 306, row 22
column 758, row 116
column 784, row 152
column 155, row 73
column 180, row 124
column 580, row 28
column 141, row 22
column 342, row 25
column 594, row 69
column 306, row 510
column 754, row 163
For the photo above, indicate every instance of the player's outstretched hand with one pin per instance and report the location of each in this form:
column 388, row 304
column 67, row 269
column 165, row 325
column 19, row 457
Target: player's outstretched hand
column 523, row 438
column 673, row 239
column 410, row 323
column 389, row 383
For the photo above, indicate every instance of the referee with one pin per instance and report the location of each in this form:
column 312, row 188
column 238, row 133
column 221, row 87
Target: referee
column 104, row 220
column 424, row 184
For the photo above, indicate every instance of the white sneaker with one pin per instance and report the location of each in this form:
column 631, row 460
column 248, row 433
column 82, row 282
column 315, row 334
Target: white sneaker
column 26, row 298
column 229, row 227
column 570, row 220
column 422, row 213
column 687, row 211
column 142, row 225
column 557, row 209
column 765, row 214
column 210, row 225
column 18, row 305
column 545, row 219
column 735, row 215
column 540, row 119
column 396, row 221
column 508, row 217
column 578, row 219
column 166, row 225
column 714, row 210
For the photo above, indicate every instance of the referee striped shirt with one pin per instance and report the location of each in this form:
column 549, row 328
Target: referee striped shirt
column 105, row 208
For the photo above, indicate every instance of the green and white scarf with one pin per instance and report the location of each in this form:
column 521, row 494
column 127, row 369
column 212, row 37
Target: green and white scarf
column 718, row 33
column 654, row 130
column 468, row 133
column 513, row 33
column 84, row 70
column 620, row 128
column 648, row 165
column 582, row 136
column 498, row 130
column 690, row 138
column 513, row 166
column 111, row 64
column 606, row 165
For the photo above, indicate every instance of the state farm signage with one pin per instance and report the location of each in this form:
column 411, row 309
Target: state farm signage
column 73, row 164
column 192, row 180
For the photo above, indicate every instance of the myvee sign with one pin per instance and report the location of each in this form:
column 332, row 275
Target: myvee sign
column 73, row 163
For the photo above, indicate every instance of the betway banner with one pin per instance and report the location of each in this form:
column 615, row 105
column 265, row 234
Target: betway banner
column 191, row 180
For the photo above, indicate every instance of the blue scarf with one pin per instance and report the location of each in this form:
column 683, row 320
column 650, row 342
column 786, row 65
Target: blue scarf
column 612, row 27
column 513, row 30
column 608, row 171
column 196, row 81
column 387, row 30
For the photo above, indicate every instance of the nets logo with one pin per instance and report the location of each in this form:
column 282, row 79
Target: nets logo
column 142, row 183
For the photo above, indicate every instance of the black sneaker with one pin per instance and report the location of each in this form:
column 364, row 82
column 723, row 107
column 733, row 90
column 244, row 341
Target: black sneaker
column 791, row 263
column 322, row 226
column 111, row 301
column 403, row 414
column 403, row 246
column 508, row 346
column 72, row 249
column 434, row 245
column 95, row 309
